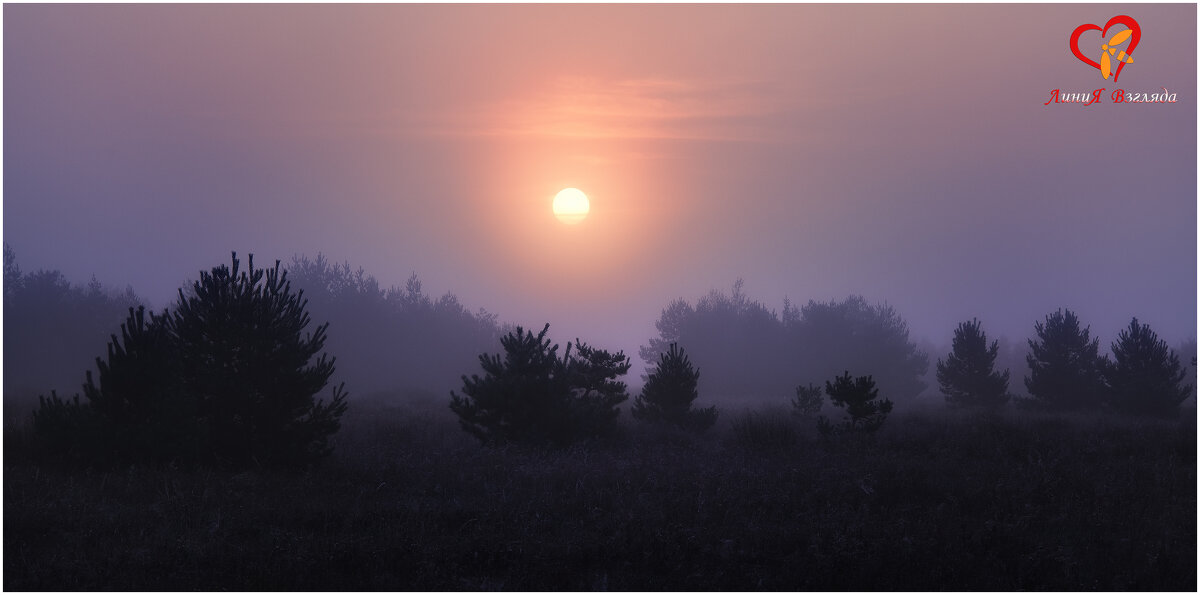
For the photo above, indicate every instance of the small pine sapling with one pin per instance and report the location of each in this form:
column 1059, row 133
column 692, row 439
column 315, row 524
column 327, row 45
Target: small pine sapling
column 865, row 412
column 808, row 400
column 669, row 392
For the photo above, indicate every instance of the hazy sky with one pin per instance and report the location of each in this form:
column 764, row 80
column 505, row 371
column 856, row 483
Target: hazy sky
column 898, row 151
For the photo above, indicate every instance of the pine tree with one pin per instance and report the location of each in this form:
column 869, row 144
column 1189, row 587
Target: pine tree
column 140, row 394
column 227, row 379
column 531, row 396
column 592, row 375
column 136, row 412
column 808, row 400
column 1145, row 376
column 1064, row 364
column 967, row 376
column 250, row 367
column 865, row 412
column 669, row 392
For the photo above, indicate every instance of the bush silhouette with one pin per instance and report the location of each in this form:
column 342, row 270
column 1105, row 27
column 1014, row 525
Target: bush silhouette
column 1064, row 364
column 1145, row 376
column 865, row 412
column 224, row 379
column 530, row 396
column 967, row 376
column 669, row 392
column 808, row 400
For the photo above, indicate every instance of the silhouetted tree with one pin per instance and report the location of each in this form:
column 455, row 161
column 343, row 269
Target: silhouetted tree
column 251, row 368
column 1064, row 364
column 808, row 400
column 669, row 392
column 142, row 365
column 531, row 396
column 865, row 412
column 1145, row 376
column 592, row 375
column 135, row 413
column 832, row 336
column 226, row 378
column 967, row 376
column 738, row 341
column 141, row 394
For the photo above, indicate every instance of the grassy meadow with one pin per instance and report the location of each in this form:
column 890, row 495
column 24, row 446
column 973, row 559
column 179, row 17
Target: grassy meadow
column 935, row 501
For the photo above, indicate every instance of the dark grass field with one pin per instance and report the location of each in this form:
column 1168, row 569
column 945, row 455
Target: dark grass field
column 409, row 502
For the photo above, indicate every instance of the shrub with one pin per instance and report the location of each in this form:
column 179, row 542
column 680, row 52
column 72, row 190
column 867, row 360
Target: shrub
column 1064, row 364
column 808, row 400
column 1145, row 376
column 226, row 378
column 533, row 397
column 967, row 376
column 669, row 392
column 865, row 412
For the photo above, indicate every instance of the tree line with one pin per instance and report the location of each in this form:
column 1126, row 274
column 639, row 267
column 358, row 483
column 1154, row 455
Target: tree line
column 752, row 352
column 390, row 337
column 231, row 374
column 53, row 329
column 530, row 391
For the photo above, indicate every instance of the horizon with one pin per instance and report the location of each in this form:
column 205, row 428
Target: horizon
column 816, row 152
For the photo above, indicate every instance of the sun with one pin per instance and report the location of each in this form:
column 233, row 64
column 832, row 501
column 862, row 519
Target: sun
column 571, row 205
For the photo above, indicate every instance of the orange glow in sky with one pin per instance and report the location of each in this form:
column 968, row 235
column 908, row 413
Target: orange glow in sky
column 815, row 150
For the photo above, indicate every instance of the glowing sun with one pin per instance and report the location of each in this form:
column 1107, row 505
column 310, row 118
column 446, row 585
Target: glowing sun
column 571, row 206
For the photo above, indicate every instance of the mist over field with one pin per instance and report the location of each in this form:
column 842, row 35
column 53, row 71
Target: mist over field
column 599, row 297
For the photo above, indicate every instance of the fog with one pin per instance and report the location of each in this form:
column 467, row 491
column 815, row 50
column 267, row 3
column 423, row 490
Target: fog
column 865, row 297
column 144, row 143
column 404, row 344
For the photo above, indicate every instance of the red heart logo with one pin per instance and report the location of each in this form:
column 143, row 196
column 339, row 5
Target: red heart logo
column 1117, row 20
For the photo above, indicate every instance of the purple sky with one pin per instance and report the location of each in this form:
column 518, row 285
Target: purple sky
column 898, row 151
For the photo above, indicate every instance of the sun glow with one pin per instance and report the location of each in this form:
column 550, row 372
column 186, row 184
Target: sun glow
column 571, row 206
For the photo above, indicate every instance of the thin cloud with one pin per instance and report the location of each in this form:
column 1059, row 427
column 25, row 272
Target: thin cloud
column 593, row 108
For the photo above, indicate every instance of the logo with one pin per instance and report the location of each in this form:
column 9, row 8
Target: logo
column 1110, row 51
column 1116, row 45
